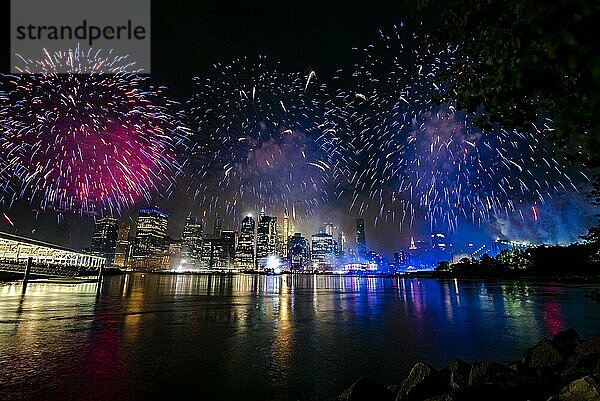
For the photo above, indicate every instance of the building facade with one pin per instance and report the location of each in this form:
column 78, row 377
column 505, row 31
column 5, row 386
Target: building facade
column 191, row 243
column 151, row 247
column 123, row 248
column 266, row 238
column 104, row 239
column 299, row 253
column 361, row 241
column 322, row 251
column 245, row 256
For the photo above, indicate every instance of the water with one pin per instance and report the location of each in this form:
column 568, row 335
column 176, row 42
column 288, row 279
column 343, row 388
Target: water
column 256, row 337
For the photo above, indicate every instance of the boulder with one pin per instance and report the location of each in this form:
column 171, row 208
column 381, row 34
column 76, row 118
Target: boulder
column 565, row 342
column 584, row 389
column 483, row 392
column 443, row 397
column 493, row 373
column 456, row 374
column 588, row 347
column 422, row 382
column 543, row 355
column 366, row 390
column 394, row 388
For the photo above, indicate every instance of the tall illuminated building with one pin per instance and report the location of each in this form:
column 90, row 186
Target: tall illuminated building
column 150, row 239
column 285, row 236
column 274, row 237
column 218, row 227
column 361, row 242
column 209, row 253
column 104, row 239
column 173, row 257
column 400, row 259
column 341, row 242
column 191, row 242
column 245, row 256
column 218, row 253
column 266, row 238
column 328, row 228
column 228, row 239
column 299, row 253
column 322, row 251
column 123, row 248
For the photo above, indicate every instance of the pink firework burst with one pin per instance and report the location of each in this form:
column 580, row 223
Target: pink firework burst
column 87, row 142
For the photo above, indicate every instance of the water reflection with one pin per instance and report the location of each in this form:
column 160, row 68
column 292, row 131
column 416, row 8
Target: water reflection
column 257, row 337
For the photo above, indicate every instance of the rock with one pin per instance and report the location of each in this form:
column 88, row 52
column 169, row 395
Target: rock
column 457, row 374
column 565, row 342
column 493, row 373
column 422, row 382
column 366, row 390
column 597, row 368
column 487, row 392
column 394, row 388
column 543, row 355
column 443, row 397
column 584, row 389
column 587, row 362
column 585, row 359
column 589, row 346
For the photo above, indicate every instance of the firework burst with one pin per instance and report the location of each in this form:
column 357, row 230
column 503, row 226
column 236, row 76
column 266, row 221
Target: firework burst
column 86, row 142
column 419, row 158
column 263, row 135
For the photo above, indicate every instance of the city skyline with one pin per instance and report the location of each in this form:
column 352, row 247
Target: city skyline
column 76, row 231
column 259, row 244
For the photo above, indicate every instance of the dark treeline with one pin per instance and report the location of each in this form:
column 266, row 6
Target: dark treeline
column 576, row 259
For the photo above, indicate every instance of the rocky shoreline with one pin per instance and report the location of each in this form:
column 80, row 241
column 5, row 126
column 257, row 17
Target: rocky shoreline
column 564, row 368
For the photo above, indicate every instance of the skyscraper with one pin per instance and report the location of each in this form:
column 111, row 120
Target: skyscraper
column 150, row 239
column 266, row 238
column 285, row 236
column 245, row 252
column 341, row 242
column 217, row 253
column 322, row 251
column 123, row 248
column 218, row 227
column 228, row 239
column 328, row 228
column 209, row 253
column 274, row 236
column 191, row 242
column 104, row 239
column 361, row 243
column 173, row 257
column 299, row 252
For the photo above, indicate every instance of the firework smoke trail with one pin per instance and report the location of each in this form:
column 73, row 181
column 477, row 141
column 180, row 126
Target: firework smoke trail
column 263, row 136
column 86, row 142
column 422, row 159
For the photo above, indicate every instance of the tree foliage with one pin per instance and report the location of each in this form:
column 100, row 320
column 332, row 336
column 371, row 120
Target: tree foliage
column 542, row 260
column 520, row 62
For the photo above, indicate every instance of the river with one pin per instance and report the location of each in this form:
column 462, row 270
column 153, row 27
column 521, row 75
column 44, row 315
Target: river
column 246, row 337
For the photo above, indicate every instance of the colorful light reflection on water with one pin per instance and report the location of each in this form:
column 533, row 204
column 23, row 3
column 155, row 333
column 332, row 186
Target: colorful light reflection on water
column 264, row 337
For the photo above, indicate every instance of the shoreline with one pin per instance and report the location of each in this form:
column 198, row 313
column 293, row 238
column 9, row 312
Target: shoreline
column 6, row 277
column 563, row 368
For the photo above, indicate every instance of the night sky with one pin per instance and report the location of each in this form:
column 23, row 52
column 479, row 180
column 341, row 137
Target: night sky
column 188, row 37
